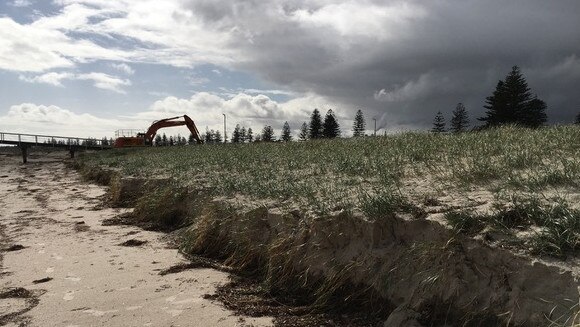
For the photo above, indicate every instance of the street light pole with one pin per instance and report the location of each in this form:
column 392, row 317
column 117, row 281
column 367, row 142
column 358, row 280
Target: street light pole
column 225, row 135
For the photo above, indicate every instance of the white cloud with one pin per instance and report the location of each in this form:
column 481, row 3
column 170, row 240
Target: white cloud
column 158, row 32
column 46, row 43
column 274, row 92
column 23, row 48
column 426, row 85
column 20, row 3
column 124, row 68
column 361, row 18
column 241, row 106
column 254, row 111
column 411, row 90
column 53, row 120
column 51, row 78
column 105, row 81
column 100, row 80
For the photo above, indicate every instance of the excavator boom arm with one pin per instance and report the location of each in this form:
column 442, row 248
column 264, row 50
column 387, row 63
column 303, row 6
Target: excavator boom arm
column 171, row 122
column 193, row 129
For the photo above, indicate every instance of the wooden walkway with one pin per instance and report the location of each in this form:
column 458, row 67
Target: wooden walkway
column 73, row 144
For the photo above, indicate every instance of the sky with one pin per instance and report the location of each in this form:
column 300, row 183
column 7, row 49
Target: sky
column 90, row 67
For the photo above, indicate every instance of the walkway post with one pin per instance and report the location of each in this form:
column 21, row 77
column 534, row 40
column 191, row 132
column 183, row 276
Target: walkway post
column 225, row 135
column 24, row 149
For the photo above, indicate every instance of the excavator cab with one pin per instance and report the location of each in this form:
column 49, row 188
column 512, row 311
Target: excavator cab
column 133, row 138
column 129, row 138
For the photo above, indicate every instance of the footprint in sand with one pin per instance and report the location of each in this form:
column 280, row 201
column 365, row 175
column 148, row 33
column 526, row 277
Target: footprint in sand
column 134, row 308
column 69, row 296
column 170, row 299
column 73, row 278
column 56, row 256
column 50, row 269
column 187, row 301
column 173, row 312
column 99, row 313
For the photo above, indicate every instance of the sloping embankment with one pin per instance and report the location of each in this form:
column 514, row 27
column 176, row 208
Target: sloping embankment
column 414, row 270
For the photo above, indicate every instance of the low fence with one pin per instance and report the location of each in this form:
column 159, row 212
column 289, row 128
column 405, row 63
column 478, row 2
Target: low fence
column 52, row 140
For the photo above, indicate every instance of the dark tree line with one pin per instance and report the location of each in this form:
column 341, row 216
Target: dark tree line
column 210, row 137
column 439, row 125
column 512, row 102
column 163, row 140
column 286, row 133
column 242, row 135
column 460, row 119
column 359, row 125
column 90, row 141
column 317, row 128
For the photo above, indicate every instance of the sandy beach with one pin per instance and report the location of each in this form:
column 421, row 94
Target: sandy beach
column 60, row 266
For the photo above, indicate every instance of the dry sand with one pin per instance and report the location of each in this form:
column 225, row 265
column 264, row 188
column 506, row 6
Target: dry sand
column 83, row 276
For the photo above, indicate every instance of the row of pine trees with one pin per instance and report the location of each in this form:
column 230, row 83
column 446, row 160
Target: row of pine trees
column 512, row 102
column 163, row 140
column 317, row 128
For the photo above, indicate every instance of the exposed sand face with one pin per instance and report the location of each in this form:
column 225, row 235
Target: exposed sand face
column 94, row 281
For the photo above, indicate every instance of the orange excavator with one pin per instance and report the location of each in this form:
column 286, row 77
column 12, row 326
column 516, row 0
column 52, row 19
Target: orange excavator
column 146, row 139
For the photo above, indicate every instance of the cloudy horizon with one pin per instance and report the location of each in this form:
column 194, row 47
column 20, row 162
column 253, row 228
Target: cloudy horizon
column 89, row 67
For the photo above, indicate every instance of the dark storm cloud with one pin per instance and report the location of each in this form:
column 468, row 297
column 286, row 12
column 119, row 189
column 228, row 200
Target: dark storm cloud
column 405, row 60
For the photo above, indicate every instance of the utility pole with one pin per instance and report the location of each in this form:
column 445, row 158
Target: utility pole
column 375, row 119
column 225, row 135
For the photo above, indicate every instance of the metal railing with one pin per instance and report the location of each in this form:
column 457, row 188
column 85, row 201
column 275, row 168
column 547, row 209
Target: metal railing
column 128, row 132
column 52, row 140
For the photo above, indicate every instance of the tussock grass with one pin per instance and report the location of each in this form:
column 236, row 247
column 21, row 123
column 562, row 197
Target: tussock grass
column 384, row 203
column 465, row 222
column 369, row 173
column 560, row 233
column 163, row 208
column 558, row 224
column 327, row 171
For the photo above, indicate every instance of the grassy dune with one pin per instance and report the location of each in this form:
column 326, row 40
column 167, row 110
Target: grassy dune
column 377, row 222
column 523, row 178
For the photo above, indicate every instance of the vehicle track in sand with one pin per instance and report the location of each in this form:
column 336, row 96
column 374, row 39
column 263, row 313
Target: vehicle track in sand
column 59, row 266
